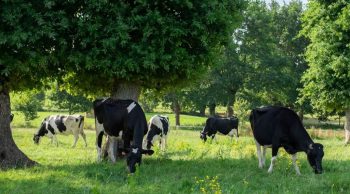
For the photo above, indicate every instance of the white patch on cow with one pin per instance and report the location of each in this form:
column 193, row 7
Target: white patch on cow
column 155, row 120
column 134, row 150
column 120, row 134
column 112, row 145
column 273, row 159
column 131, row 106
column 99, row 154
column 258, row 151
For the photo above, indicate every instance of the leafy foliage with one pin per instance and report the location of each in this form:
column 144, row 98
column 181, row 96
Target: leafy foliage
column 151, row 43
column 28, row 103
column 73, row 103
column 326, row 82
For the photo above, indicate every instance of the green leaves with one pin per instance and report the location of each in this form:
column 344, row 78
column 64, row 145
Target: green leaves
column 326, row 83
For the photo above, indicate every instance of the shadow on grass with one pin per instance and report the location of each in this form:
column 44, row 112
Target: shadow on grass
column 165, row 175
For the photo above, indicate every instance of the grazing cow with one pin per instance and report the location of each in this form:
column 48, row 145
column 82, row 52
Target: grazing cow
column 281, row 127
column 158, row 130
column 123, row 119
column 225, row 126
column 64, row 124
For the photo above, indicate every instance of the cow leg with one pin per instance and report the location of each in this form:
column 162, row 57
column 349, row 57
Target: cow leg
column 263, row 158
column 84, row 137
column 294, row 160
column 258, row 151
column 274, row 156
column 55, row 140
column 76, row 137
column 111, row 151
column 99, row 137
column 214, row 138
column 163, row 142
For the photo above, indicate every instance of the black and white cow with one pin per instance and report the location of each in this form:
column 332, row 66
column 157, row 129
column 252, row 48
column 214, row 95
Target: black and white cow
column 158, row 130
column 122, row 119
column 61, row 124
column 281, row 127
column 225, row 126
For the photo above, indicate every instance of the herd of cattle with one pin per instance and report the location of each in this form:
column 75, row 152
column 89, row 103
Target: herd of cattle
column 124, row 121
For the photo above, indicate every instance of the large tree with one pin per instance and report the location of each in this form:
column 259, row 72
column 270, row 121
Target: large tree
column 28, row 44
column 326, row 82
column 122, row 46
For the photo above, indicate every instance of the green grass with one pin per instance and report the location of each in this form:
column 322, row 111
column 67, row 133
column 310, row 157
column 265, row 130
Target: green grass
column 188, row 166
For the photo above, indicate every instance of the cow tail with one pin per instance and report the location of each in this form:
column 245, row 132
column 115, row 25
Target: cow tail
column 81, row 121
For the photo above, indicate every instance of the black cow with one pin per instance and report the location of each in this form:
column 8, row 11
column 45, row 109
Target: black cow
column 225, row 126
column 281, row 127
column 158, row 129
column 61, row 124
column 122, row 119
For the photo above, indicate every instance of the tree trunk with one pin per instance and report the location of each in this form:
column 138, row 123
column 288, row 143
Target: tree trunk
column 177, row 110
column 121, row 91
column 301, row 115
column 212, row 107
column 347, row 126
column 10, row 155
column 202, row 111
column 229, row 108
column 126, row 90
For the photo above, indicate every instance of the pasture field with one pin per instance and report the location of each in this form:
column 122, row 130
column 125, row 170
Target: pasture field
column 188, row 166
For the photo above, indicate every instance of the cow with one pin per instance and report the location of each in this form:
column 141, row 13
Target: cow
column 225, row 126
column 125, row 120
column 61, row 124
column 158, row 130
column 277, row 127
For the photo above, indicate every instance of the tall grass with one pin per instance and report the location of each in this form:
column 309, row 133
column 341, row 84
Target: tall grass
column 188, row 166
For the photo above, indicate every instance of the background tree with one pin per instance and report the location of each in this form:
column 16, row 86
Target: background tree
column 326, row 82
column 269, row 53
column 28, row 103
column 71, row 103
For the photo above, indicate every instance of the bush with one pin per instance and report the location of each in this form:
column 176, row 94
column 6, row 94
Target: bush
column 28, row 103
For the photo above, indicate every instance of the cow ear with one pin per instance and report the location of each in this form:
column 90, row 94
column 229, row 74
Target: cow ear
column 147, row 152
column 310, row 146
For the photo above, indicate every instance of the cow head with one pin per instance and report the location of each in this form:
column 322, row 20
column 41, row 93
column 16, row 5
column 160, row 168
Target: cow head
column 36, row 138
column 203, row 136
column 135, row 156
column 41, row 132
column 314, row 156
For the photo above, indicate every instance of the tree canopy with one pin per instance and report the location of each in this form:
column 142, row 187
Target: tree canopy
column 326, row 82
column 149, row 43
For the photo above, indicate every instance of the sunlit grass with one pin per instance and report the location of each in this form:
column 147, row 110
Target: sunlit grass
column 225, row 166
